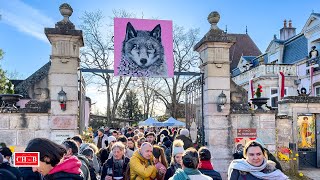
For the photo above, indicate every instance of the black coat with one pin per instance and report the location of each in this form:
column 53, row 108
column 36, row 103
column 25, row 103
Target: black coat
column 212, row 173
column 7, row 175
column 186, row 140
column 63, row 176
column 104, row 155
column 13, row 170
column 109, row 164
column 170, row 171
column 27, row 173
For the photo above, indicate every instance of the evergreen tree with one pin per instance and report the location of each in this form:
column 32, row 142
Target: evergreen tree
column 130, row 108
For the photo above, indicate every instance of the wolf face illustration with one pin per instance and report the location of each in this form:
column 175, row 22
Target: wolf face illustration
column 142, row 53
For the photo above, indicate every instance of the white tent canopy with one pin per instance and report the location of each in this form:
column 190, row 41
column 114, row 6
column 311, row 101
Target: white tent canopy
column 149, row 122
column 173, row 122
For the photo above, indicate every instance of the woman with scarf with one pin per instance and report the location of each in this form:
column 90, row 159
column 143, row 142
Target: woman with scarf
column 176, row 158
column 255, row 166
column 115, row 167
column 205, row 165
column 189, row 171
column 54, row 164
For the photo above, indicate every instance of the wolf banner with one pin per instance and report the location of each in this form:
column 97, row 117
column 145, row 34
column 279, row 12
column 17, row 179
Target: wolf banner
column 143, row 48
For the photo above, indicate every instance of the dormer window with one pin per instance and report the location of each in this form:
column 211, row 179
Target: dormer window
column 274, row 58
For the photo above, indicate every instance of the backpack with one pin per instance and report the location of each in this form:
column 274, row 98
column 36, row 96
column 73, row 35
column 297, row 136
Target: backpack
column 84, row 167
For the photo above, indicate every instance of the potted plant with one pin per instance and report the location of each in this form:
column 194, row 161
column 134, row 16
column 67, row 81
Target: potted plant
column 8, row 98
column 259, row 101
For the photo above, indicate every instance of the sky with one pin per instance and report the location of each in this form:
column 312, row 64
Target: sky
column 27, row 49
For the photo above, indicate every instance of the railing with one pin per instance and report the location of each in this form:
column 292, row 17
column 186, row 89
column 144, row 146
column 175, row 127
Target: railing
column 265, row 70
column 313, row 61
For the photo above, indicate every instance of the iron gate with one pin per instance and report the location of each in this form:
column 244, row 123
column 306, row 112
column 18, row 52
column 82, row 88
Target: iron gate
column 194, row 108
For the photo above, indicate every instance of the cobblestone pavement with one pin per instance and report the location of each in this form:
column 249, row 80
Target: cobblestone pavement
column 312, row 173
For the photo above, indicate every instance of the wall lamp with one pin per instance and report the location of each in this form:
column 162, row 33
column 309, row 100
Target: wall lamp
column 62, row 98
column 222, row 99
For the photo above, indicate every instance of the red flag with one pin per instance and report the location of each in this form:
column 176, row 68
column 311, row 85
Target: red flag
column 281, row 84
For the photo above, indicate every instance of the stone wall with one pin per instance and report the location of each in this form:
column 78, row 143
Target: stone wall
column 263, row 122
column 16, row 129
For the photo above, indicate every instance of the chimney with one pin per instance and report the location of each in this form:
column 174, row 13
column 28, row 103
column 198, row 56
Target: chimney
column 285, row 23
column 287, row 32
column 290, row 24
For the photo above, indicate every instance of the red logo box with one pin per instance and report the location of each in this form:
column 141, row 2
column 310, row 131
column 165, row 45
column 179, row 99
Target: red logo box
column 26, row 159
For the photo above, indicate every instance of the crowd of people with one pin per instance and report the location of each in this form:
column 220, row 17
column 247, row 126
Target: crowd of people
column 136, row 154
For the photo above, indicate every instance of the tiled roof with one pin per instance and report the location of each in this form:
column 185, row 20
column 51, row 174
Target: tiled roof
column 295, row 49
column 244, row 46
column 316, row 14
column 23, row 87
column 16, row 82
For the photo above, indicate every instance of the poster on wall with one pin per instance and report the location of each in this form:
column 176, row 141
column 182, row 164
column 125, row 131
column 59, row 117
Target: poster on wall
column 306, row 131
column 143, row 48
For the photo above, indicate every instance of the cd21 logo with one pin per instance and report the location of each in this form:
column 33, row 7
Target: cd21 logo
column 26, row 159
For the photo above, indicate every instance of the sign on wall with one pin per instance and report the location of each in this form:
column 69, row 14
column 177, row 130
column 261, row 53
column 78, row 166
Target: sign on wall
column 306, row 131
column 143, row 48
column 247, row 132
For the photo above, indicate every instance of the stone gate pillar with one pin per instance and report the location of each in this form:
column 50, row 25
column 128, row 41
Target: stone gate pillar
column 63, row 73
column 214, row 53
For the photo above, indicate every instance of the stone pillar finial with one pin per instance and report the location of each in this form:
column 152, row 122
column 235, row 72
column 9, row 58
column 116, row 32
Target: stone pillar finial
column 213, row 19
column 66, row 11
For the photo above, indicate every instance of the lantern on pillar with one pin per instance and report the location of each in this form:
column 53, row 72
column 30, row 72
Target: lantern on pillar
column 62, row 98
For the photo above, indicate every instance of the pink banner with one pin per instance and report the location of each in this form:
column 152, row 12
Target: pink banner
column 143, row 48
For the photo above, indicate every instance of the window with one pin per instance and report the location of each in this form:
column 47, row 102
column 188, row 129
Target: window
column 274, row 96
column 273, row 58
column 317, row 90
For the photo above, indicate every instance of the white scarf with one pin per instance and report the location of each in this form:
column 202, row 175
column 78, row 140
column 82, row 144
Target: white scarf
column 243, row 165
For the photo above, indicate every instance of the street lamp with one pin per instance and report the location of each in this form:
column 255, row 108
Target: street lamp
column 222, row 99
column 62, row 98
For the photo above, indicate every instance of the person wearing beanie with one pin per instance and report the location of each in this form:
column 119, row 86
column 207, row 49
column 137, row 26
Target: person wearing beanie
column 184, row 136
column 176, row 159
column 101, row 139
column 205, row 166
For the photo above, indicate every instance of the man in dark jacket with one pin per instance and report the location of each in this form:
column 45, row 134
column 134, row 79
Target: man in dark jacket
column 129, row 133
column 184, row 136
column 205, row 166
column 5, row 166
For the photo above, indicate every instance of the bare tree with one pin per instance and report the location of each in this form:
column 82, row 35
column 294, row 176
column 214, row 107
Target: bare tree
column 185, row 60
column 97, row 53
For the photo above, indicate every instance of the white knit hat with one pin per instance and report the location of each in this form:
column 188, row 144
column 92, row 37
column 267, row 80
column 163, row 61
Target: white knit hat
column 177, row 150
column 111, row 138
column 177, row 147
